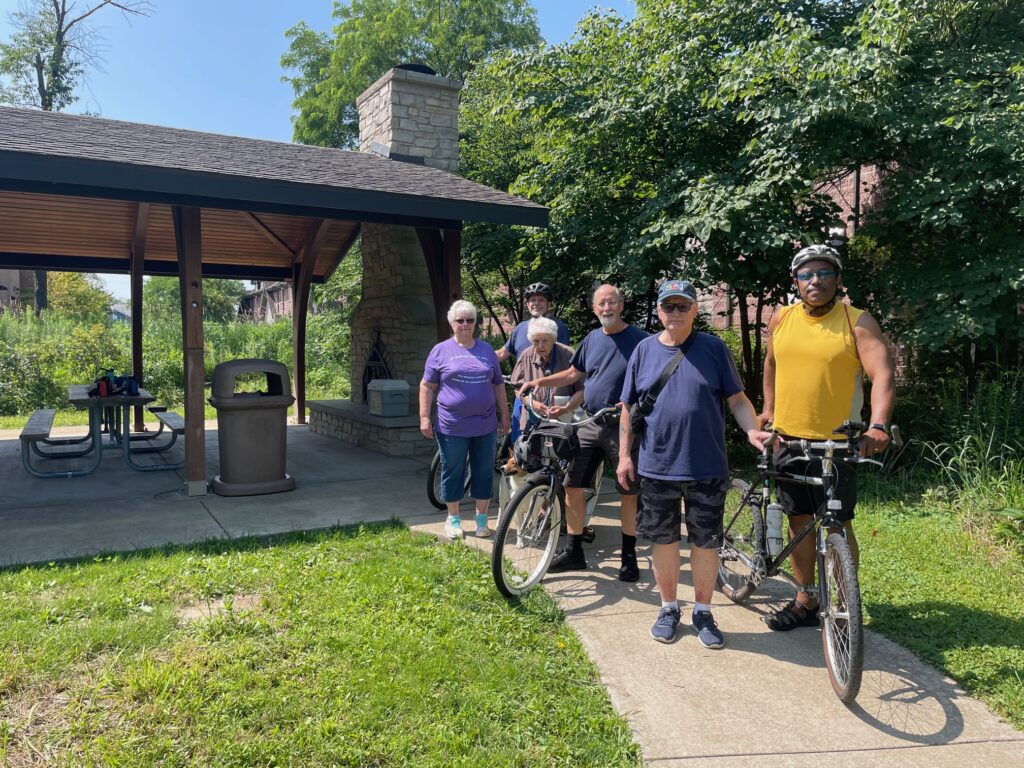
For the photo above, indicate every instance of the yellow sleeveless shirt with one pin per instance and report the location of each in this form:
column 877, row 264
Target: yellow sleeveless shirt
column 817, row 371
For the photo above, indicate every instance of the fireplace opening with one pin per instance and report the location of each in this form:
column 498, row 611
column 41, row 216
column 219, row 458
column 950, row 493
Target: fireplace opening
column 378, row 364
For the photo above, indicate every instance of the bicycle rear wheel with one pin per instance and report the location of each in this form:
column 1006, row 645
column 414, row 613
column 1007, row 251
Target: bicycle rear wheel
column 842, row 632
column 434, row 481
column 525, row 541
column 741, row 563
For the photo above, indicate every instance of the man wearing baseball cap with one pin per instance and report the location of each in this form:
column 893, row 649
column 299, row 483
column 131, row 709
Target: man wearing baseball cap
column 679, row 379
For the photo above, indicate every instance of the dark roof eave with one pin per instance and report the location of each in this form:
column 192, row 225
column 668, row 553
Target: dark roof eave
column 61, row 175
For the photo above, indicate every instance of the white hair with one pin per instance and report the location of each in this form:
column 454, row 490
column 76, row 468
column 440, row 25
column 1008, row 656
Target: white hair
column 619, row 295
column 460, row 306
column 541, row 326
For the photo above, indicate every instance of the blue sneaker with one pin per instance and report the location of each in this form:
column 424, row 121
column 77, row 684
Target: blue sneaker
column 664, row 629
column 708, row 633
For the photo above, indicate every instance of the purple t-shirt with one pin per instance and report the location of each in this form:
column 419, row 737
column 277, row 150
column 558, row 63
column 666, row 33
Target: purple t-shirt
column 684, row 437
column 465, row 398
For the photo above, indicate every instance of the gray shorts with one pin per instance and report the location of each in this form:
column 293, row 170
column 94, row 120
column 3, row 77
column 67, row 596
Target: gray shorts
column 659, row 516
column 599, row 440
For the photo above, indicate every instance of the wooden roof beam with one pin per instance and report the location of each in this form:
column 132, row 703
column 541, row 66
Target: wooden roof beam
column 269, row 234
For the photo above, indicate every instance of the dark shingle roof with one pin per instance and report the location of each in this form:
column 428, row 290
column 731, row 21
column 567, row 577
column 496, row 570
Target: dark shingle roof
column 74, row 154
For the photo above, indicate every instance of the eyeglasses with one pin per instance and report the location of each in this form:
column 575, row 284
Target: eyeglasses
column 821, row 274
column 682, row 309
column 464, row 320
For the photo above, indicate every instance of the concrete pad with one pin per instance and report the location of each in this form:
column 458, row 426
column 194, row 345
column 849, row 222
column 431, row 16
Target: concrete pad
column 688, row 705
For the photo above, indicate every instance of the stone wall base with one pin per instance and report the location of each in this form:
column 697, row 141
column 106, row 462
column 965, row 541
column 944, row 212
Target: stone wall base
column 352, row 423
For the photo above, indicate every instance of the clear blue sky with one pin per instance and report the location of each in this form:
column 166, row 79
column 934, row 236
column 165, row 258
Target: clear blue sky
column 214, row 65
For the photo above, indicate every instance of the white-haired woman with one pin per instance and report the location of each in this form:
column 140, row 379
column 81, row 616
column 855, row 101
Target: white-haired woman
column 543, row 357
column 465, row 376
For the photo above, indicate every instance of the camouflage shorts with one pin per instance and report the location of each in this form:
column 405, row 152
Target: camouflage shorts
column 659, row 516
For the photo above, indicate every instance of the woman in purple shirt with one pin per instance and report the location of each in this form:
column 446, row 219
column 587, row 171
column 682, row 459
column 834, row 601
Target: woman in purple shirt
column 465, row 376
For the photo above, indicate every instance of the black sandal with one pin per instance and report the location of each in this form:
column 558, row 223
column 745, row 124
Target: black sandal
column 794, row 615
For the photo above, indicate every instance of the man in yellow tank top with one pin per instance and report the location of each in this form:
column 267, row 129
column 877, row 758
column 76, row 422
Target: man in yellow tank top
column 817, row 351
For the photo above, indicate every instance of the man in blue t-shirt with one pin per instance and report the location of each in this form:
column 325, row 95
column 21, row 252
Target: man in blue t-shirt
column 601, row 358
column 538, row 301
column 682, row 452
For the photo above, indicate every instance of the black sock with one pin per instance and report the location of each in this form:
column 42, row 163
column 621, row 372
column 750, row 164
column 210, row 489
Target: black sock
column 628, row 544
column 575, row 541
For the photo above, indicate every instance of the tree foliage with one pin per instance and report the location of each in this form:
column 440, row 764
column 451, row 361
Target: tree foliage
column 696, row 139
column 79, row 296
column 52, row 49
column 161, row 297
column 371, row 36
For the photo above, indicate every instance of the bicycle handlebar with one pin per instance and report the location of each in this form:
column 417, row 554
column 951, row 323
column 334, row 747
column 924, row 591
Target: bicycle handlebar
column 527, row 400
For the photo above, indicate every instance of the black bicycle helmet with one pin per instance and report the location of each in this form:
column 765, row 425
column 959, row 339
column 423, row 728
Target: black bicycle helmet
column 815, row 253
column 542, row 288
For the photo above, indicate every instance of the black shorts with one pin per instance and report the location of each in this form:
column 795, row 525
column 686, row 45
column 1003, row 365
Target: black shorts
column 599, row 440
column 659, row 516
column 798, row 499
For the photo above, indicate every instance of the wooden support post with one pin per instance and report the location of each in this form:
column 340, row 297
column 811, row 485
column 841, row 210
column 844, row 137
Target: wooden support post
column 452, row 258
column 188, row 236
column 138, row 256
column 302, row 282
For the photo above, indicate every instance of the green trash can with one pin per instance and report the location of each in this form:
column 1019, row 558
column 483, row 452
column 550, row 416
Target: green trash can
column 252, row 428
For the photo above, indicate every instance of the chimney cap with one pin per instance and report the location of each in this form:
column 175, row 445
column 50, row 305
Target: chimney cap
column 423, row 69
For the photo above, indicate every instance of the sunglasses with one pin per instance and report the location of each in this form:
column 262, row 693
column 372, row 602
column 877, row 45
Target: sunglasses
column 464, row 320
column 821, row 274
column 682, row 309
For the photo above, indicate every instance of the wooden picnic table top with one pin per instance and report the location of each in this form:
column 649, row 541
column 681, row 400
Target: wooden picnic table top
column 78, row 396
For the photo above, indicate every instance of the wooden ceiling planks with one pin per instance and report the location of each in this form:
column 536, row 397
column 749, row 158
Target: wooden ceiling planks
column 68, row 226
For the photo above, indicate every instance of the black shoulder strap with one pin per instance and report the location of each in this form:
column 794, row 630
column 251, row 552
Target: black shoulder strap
column 647, row 403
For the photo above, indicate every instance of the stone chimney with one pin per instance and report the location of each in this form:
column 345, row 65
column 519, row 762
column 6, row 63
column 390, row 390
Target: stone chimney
column 408, row 116
column 413, row 116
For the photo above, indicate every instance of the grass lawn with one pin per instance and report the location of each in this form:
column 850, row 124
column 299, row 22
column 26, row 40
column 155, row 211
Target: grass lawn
column 953, row 601
column 357, row 647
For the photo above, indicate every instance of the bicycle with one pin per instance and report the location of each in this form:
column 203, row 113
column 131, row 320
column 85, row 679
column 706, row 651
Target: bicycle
column 746, row 560
column 530, row 524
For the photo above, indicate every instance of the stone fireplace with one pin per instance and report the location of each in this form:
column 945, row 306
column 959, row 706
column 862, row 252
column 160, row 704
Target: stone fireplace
column 408, row 116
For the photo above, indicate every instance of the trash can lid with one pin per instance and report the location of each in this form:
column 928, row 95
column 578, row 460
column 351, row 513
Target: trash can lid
column 225, row 373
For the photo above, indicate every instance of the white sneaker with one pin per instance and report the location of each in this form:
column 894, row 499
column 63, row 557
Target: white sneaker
column 453, row 528
column 482, row 531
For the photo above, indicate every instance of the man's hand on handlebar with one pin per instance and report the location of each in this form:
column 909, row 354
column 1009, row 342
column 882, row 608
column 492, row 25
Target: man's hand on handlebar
column 557, row 410
column 873, row 442
column 526, row 388
column 764, row 418
column 759, row 438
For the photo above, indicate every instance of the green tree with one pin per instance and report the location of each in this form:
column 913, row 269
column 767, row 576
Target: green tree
column 161, row 297
column 371, row 36
column 48, row 56
column 79, row 296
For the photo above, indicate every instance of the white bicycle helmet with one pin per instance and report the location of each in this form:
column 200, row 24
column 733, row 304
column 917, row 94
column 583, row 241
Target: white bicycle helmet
column 815, row 253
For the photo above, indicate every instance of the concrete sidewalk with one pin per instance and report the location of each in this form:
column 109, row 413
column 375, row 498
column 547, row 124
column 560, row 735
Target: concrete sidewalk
column 687, row 705
column 743, row 705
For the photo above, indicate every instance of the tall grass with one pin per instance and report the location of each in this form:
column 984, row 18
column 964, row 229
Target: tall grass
column 41, row 356
column 980, row 461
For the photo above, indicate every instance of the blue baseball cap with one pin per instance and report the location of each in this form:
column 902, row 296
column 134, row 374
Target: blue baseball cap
column 682, row 288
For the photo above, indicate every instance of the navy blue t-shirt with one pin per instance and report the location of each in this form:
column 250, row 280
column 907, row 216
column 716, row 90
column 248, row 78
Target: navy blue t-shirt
column 603, row 358
column 684, row 437
column 518, row 340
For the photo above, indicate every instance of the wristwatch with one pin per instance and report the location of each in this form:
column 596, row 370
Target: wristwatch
column 881, row 427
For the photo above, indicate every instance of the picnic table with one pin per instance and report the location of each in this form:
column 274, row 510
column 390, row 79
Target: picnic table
column 111, row 412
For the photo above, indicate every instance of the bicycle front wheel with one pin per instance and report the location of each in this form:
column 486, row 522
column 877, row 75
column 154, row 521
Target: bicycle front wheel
column 525, row 541
column 842, row 632
column 741, row 557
